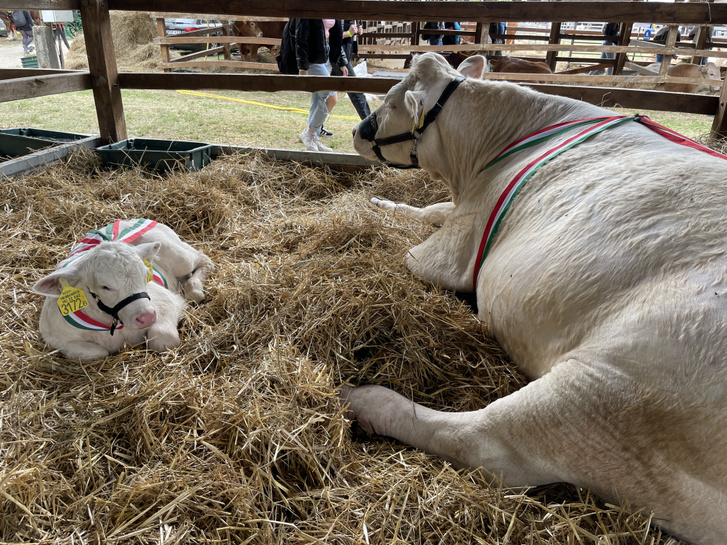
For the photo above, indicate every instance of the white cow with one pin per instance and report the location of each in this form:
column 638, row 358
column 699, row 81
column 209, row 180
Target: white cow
column 605, row 281
column 120, row 285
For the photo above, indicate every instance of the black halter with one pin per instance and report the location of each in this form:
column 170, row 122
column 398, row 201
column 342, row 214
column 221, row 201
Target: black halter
column 114, row 312
column 369, row 127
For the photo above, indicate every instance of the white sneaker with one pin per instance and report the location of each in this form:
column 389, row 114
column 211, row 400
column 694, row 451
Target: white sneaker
column 322, row 147
column 309, row 140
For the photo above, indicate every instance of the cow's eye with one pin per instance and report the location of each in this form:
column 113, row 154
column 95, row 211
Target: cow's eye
column 105, row 288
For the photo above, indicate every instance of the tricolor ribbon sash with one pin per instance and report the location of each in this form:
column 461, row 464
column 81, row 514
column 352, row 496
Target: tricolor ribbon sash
column 593, row 126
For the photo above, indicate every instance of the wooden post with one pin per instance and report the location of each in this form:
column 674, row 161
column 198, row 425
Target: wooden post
column 700, row 40
column 671, row 40
column 623, row 39
column 550, row 56
column 164, row 48
column 481, row 33
column 104, row 73
column 719, row 124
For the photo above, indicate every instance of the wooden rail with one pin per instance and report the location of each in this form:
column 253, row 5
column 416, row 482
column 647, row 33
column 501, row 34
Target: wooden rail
column 106, row 82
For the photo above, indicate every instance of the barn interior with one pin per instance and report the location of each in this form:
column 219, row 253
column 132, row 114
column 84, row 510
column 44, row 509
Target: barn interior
column 239, row 435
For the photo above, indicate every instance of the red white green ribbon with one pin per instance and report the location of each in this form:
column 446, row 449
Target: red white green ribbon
column 593, row 126
column 81, row 320
column 113, row 231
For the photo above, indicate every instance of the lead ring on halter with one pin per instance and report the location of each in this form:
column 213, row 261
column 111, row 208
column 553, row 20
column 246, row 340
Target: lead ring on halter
column 369, row 127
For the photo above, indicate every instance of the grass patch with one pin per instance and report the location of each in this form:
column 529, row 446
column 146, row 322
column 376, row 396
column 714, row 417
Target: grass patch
column 173, row 115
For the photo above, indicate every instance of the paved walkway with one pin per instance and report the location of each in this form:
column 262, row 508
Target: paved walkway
column 11, row 51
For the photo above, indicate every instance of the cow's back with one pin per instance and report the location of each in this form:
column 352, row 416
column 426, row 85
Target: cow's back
column 627, row 227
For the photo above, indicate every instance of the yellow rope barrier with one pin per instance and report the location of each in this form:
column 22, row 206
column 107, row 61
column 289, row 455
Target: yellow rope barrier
column 296, row 110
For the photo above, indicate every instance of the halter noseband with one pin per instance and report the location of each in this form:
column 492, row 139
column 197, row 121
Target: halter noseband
column 370, row 126
column 114, row 312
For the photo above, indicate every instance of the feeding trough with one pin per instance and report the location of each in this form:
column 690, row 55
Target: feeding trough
column 160, row 155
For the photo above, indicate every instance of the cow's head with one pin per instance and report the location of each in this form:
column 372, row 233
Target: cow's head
column 710, row 71
column 392, row 132
column 114, row 277
column 249, row 29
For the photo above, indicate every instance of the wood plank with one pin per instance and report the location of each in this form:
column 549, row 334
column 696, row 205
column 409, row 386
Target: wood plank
column 605, row 96
column 208, row 16
column 177, row 64
column 488, row 11
column 41, row 4
column 104, row 73
column 637, row 99
column 43, row 85
column 10, row 73
column 575, row 48
column 177, row 39
column 254, row 82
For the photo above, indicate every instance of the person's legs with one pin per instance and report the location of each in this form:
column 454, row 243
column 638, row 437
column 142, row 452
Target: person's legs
column 317, row 113
column 27, row 38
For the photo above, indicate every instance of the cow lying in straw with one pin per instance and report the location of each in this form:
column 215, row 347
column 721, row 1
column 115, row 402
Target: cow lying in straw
column 120, row 285
column 607, row 285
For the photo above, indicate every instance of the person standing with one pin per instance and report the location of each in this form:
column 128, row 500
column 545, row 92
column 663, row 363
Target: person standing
column 24, row 24
column 353, row 29
column 312, row 53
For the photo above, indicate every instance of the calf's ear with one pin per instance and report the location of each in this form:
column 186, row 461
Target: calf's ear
column 148, row 250
column 473, row 67
column 414, row 102
column 50, row 285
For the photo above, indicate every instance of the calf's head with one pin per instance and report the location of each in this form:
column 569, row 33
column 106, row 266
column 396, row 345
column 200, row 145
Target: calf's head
column 393, row 131
column 114, row 277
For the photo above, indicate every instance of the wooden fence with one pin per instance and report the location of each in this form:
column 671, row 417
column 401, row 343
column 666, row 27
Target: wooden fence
column 105, row 80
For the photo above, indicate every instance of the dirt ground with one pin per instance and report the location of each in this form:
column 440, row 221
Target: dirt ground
column 11, row 51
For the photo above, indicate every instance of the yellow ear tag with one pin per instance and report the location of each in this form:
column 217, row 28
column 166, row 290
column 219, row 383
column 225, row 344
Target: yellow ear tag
column 421, row 119
column 71, row 299
column 150, row 274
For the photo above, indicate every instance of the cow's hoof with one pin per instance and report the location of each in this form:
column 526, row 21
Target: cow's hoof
column 356, row 411
column 160, row 341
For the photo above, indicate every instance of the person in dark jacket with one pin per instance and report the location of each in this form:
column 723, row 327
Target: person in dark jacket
column 314, row 53
column 351, row 30
column 24, row 24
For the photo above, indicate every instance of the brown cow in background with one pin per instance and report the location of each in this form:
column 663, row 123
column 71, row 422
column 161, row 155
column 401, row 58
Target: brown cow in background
column 7, row 19
column 521, row 66
column 256, row 29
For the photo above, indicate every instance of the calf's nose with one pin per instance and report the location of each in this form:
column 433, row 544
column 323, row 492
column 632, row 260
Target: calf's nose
column 145, row 320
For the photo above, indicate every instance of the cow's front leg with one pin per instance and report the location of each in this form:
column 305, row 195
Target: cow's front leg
column 84, row 351
column 540, row 434
column 435, row 214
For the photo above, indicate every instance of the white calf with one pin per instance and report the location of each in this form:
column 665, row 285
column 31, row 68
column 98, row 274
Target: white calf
column 120, row 285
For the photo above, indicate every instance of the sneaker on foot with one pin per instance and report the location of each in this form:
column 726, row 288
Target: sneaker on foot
column 31, row 47
column 321, row 147
column 309, row 140
column 324, row 132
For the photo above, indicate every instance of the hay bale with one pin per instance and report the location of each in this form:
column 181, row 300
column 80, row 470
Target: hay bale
column 238, row 435
column 132, row 34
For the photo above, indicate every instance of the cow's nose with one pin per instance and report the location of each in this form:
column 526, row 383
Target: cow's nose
column 145, row 320
column 353, row 132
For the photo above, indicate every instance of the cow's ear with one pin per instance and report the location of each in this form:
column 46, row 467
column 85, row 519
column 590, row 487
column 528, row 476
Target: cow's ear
column 50, row 285
column 148, row 250
column 414, row 101
column 473, row 67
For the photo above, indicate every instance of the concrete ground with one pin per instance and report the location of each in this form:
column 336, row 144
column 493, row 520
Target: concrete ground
column 11, row 51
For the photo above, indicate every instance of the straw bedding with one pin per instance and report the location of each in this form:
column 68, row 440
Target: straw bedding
column 238, row 436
